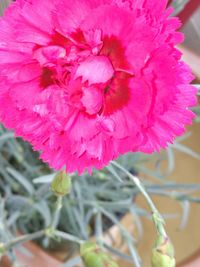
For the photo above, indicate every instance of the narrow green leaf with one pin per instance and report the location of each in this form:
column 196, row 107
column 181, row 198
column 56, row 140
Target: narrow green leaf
column 22, row 180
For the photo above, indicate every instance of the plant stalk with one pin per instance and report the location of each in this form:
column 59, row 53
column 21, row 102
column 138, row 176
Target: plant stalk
column 68, row 237
column 22, row 239
column 156, row 216
column 50, row 231
column 57, row 212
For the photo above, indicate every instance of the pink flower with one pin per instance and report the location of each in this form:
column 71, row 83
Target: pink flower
column 87, row 80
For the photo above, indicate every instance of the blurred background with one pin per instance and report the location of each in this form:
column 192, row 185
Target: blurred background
column 19, row 166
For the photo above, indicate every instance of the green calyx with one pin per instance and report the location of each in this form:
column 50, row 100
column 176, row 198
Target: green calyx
column 163, row 253
column 93, row 256
column 61, row 184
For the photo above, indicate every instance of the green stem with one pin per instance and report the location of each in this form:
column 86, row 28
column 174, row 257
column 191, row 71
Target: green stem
column 22, row 239
column 50, row 231
column 157, row 218
column 68, row 237
column 57, row 212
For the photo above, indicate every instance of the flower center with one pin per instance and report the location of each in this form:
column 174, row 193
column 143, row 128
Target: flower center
column 92, row 72
column 95, row 70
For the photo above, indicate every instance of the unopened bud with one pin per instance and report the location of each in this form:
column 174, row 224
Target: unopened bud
column 61, row 184
column 163, row 253
column 93, row 256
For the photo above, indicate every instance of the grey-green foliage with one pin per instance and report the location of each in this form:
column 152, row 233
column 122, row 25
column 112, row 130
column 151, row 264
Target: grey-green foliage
column 95, row 203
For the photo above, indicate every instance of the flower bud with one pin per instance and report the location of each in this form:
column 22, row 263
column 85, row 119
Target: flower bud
column 163, row 253
column 61, row 184
column 92, row 256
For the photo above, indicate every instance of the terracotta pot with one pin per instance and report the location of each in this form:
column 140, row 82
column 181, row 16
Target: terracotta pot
column 194, row 261
column 189, row 9
column 35, row 257
column 187, row 12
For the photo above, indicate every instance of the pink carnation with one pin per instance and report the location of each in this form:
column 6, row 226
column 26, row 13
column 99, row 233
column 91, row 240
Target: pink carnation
column 87, row 80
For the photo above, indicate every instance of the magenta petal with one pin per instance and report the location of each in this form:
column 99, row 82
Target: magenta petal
column 85, row 81
column 95, row 69
column 49, row 54
column 92, row 99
